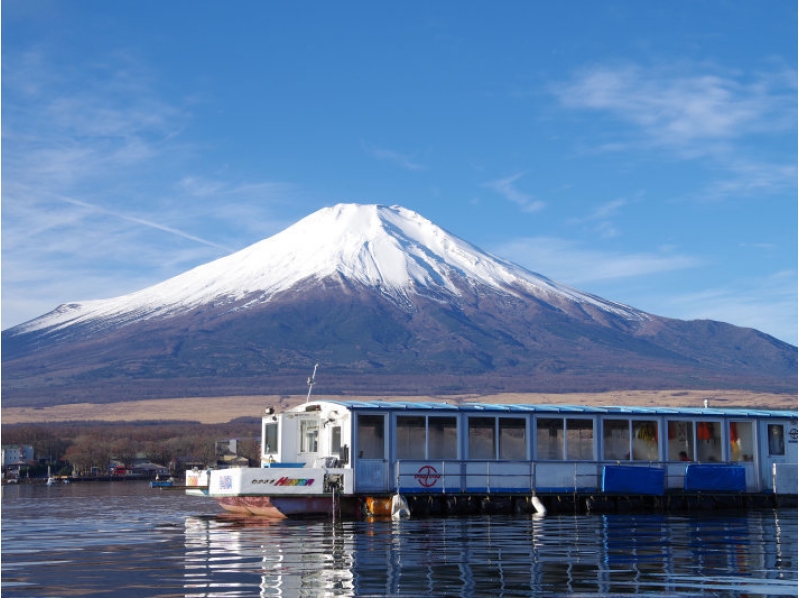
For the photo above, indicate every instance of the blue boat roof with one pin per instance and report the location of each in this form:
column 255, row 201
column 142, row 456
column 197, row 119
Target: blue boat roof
column 357, row 405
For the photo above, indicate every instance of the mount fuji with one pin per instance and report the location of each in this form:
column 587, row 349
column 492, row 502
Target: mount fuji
column 387, row 302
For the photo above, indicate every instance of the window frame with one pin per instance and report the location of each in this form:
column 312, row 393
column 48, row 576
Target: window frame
column 564, row 432
column 309, row 425
column 266, row 448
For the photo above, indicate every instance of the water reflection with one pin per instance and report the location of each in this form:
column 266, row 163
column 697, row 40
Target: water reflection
column 125, row 540
column 289, row 558
column 505, row 556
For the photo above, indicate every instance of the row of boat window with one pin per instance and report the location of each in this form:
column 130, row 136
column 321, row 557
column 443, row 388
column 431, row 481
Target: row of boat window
column 563, row 438
column 555, row 438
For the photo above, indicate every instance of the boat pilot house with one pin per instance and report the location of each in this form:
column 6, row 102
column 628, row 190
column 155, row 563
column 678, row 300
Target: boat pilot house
column 455, row 457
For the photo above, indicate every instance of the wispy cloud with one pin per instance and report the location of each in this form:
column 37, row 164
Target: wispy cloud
column 203, row 186
column 601, row 219
column 69, row 124
column 578, row 266
column 144, row 222
column 751, row 178
column 696, row 112
column 507, row 188
column 674, row 109
column 94, row 200
column 404, row 161
column 768, row 304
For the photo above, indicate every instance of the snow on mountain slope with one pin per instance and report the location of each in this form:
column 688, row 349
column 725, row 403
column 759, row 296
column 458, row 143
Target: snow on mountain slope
column 391, row 249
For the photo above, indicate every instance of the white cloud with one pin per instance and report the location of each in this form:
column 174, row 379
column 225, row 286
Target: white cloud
column 608, row 209
column 750, row 178
column 143, row 222
column 768, row 304
column 397, row 158
column 94, row 202
column 675, row 109
column 696, row 112
column 66, row 125
column 199, row 186
column 567, row 262
column 601, row 218
column 508, row 189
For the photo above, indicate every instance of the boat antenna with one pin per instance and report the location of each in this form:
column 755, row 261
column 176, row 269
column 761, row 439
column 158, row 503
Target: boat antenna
column 311, row 381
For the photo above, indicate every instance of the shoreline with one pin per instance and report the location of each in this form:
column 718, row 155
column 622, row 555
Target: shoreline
column 218, row 410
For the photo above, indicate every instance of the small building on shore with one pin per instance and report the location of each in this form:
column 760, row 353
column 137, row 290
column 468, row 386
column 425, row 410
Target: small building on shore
column 15, row 458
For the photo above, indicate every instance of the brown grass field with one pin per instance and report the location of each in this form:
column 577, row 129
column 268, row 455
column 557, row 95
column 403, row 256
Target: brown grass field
column 215, row 410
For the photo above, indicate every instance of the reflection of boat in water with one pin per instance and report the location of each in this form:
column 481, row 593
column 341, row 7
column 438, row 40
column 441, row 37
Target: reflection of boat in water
column 347, row 458
column 483, row 556
column 229, row 551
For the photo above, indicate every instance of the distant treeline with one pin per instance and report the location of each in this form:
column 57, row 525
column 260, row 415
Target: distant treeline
column 84, row 446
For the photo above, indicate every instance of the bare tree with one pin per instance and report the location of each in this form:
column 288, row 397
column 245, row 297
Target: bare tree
column 124, row 450
column 87, row 452
column 250, row 448
column 161, row 452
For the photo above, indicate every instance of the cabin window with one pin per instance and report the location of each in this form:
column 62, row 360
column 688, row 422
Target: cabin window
column 481, row 437
column 270, row 438
column 336, row 440
column 512, row 438
column 741, row 439
column 550, row 439
column 370, row 437
column 616, row 440
column 410, row 437
column 442, row 438
column 776, row 444
column 420, row 437
column 309, row 431
column 580, row 439
column 645, row 440
column 680, row 441
column 708, row 439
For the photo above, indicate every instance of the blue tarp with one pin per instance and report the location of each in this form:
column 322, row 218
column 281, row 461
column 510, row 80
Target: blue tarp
column 727, row 478
column 633, row 480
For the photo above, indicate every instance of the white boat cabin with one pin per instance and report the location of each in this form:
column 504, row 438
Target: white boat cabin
column 426, row 447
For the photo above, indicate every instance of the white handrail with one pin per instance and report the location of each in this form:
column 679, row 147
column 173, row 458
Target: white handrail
column 585, row 474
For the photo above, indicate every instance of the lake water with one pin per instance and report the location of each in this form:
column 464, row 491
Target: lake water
column 126, row 539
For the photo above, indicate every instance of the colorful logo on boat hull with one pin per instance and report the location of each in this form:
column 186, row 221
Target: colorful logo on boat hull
column 285, row 481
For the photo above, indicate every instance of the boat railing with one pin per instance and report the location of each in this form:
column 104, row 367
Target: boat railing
column 493, row 476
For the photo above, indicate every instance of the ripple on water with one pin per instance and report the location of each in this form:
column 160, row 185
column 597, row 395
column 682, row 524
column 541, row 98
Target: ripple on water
column 121, row 540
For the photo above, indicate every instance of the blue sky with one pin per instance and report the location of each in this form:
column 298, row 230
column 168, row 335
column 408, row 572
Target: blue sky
column 642, row 151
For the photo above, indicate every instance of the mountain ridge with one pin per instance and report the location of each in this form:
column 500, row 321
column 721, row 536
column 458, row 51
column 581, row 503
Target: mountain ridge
column 390, row 248
column 389, row 302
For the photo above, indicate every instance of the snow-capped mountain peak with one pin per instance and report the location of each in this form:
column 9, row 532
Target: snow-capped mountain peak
column 388, row 301
column 392, row 249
